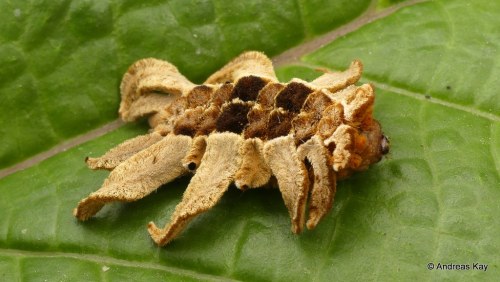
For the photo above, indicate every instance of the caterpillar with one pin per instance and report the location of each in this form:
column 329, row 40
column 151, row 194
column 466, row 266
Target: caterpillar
column 240, row 126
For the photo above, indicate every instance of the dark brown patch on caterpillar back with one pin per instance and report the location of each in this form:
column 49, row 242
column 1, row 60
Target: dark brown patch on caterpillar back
column 222, row 94
column 268, row 94
column 199, row 95
column 233, row 117
column 279, row 124
column 208, row 120
column 247, row 88
column 257, row 123
column 187, row 123
column 316, row 103
column 304, row 126
column 292, row 97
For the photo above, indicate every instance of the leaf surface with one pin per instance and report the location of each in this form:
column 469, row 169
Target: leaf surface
column 433, row 199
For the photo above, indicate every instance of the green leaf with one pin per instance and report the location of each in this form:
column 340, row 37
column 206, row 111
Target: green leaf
column 433, row 199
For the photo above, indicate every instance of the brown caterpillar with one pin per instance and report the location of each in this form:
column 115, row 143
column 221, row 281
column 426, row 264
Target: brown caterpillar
column 243, row 126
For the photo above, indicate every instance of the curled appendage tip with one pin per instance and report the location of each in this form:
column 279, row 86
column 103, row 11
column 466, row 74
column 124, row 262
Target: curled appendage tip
column 164, row 236
column 87, row 208
column 157, row 234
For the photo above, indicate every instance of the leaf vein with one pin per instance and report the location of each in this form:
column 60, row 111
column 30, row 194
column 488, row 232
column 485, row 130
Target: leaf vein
column 16, row 253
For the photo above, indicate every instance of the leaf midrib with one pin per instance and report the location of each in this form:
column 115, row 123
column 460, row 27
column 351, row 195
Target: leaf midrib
column 64, row 146
column 291, row 55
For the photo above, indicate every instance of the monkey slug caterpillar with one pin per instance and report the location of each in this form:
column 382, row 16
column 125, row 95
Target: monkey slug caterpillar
column 240, row 126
